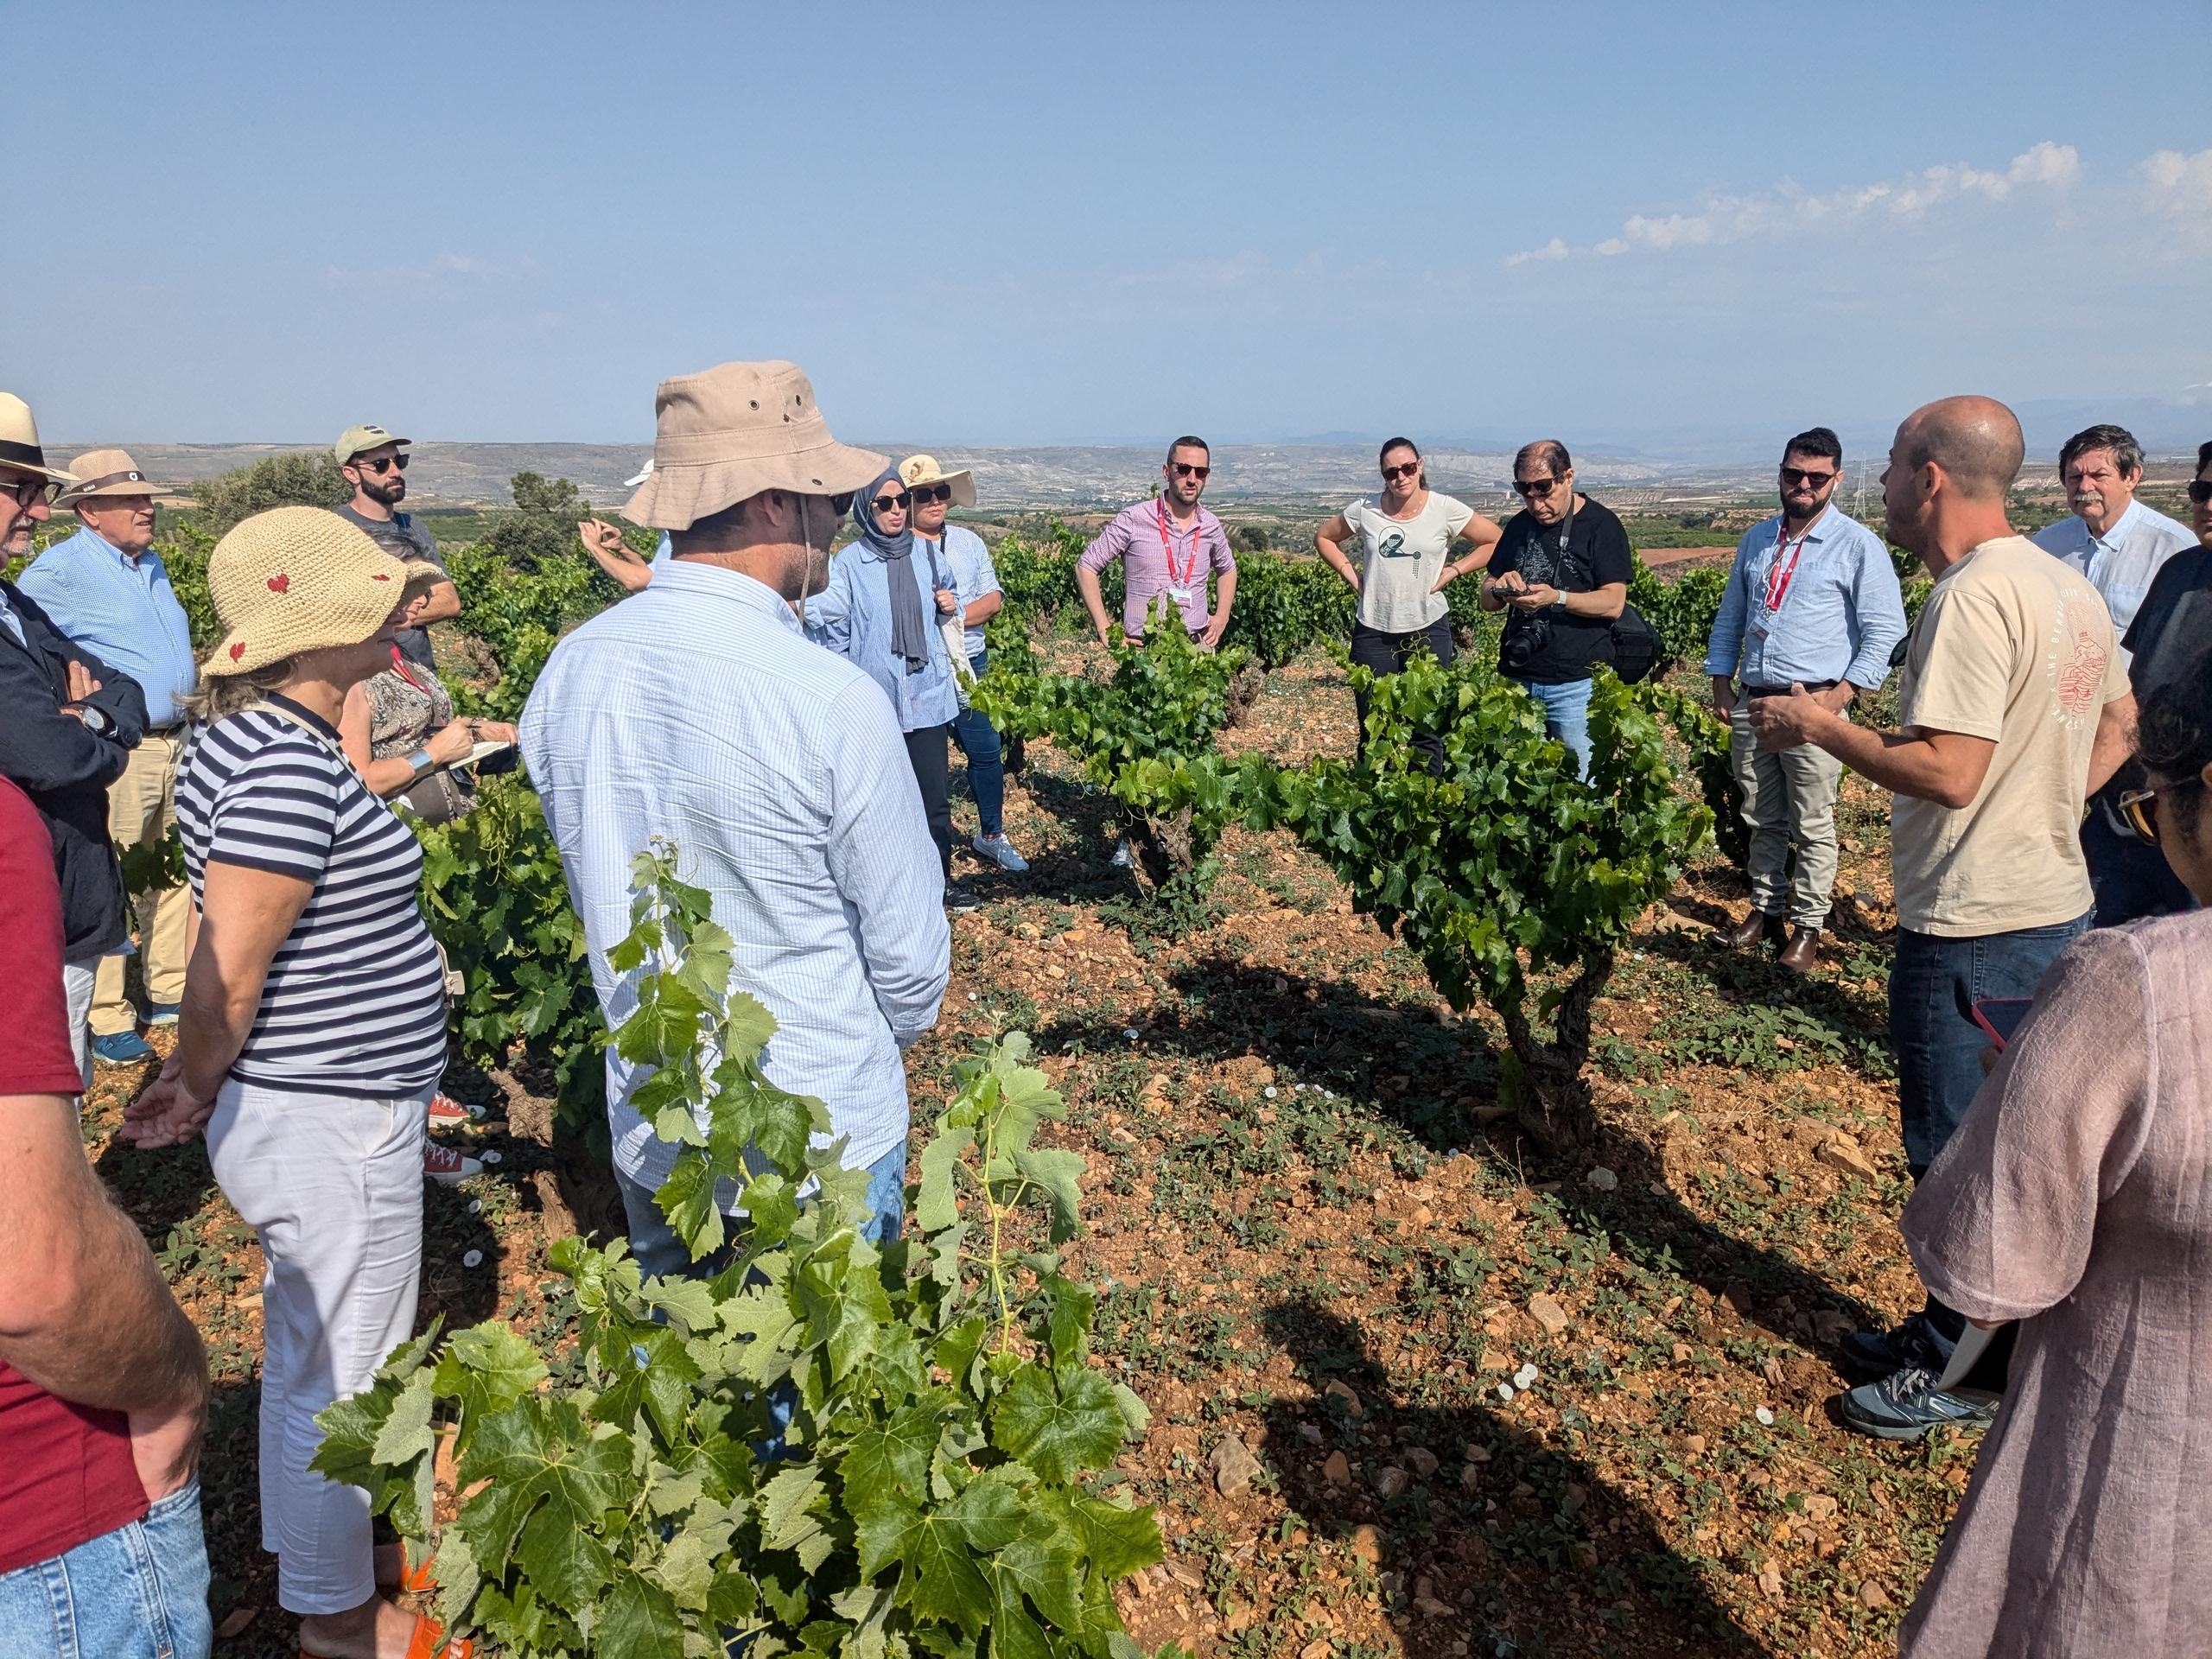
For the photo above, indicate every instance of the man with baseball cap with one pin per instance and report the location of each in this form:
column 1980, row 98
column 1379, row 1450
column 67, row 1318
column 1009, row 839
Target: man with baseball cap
column 67, row 725
column 108, row 590
column 375, row 464
column 698, row 710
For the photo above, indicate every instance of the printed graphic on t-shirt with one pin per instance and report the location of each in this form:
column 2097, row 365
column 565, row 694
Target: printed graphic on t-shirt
column 2078, row 664
column 1393, row 546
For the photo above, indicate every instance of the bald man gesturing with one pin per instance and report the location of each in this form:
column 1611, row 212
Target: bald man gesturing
column 2015, row 709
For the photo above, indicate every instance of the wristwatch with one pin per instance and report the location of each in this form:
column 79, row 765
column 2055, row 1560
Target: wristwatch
column 96, row 720
column 419, row 759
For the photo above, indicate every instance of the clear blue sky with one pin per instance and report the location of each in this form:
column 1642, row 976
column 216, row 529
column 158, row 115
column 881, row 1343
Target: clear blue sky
column 1033, row 224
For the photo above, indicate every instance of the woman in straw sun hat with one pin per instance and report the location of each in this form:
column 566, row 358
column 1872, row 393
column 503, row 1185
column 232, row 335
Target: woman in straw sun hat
column 314, row 1026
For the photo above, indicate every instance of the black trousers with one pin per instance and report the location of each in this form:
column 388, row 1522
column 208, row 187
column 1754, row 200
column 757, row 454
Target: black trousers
column 928, row 752
column 1386, row 653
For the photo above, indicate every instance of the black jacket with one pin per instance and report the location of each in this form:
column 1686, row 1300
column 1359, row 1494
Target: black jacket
column 65, row 767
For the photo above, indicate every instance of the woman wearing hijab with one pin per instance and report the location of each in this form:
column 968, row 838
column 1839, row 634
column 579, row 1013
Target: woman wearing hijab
column 879, row 612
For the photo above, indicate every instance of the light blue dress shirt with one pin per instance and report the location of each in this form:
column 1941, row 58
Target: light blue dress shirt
column 852, row 617
column 2121, row 563
column 696, row 710
column 123, row 611
column 1841, row 612
column 969, row 560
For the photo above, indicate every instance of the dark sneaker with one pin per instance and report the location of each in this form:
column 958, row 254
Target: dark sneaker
column 1907, row 1404
column 122, row 1048
column 1910, row 1342
column 958, row 901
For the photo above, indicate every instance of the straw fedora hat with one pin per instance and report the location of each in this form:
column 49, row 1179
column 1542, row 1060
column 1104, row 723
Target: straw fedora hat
column 19, row 446
column 923, row 469
column 724, row 435
column 107, row 472
column 297, row 579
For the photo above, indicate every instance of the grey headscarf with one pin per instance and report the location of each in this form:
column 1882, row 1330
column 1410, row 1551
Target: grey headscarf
column 910, row 627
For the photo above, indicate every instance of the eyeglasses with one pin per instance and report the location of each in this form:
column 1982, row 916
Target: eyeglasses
column 28, row 491
column 1184, row 469
column 1392, row 474
column 2139, row 807
column 1799, row 475
column 901, row 501
column 389, row 464
column 2199, row 490
column 1535, row 489
column 925, row 493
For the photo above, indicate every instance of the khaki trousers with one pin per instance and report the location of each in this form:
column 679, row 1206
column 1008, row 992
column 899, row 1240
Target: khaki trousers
column 1789, row 802
column 141, row 808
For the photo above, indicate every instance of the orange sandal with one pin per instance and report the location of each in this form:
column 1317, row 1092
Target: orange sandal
column 424, row 1645
column 415, row 1576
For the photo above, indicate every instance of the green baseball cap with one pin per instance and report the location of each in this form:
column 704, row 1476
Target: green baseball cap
column 354, row 438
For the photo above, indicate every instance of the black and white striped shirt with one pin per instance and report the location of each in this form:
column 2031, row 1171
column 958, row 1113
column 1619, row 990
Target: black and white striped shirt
column 354, row 1003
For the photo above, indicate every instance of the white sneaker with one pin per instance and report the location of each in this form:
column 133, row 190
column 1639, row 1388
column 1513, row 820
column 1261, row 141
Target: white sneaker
column 448, row 1168
column 1121, row 859
column 1001, row 852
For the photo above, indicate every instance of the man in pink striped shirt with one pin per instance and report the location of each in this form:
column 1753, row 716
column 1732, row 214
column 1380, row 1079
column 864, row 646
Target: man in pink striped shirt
column 1167, row 545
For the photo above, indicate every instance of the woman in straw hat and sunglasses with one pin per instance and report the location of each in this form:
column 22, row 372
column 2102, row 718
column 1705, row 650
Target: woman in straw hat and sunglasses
column 313, row 1029
column 2076, row 1198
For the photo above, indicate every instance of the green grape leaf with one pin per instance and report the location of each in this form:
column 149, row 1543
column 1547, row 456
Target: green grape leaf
column 1059, row 1427
column 638, row 1621
column 937, row 1575
column 935, row 1205
column 887, row 1463
column 1049, row 1572
column 1059, row 1172
column 406, row 1433
column 539, row 1455
column 486, row 1367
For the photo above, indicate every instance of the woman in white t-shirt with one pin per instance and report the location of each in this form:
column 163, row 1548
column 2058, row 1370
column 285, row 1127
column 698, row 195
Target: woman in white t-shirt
column 1406, row 533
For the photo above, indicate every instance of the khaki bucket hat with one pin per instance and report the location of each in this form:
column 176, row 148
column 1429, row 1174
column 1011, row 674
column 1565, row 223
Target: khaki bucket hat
column 297, row 579
column 724, row 435
column 107, row 472
column 922, row 469
column 19, row 445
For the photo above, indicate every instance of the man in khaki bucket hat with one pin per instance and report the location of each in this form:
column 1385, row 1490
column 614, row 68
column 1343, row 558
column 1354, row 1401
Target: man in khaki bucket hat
column 107, row 588
column 698, row 710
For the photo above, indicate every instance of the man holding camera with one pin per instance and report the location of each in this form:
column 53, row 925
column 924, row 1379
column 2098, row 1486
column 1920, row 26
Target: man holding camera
column 1560, row 573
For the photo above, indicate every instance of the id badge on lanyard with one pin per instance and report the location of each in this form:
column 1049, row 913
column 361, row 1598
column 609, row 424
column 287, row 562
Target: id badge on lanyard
column 1182, row 584
column 1775, row 588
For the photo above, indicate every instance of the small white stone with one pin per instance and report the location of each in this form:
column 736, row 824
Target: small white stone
column 495, row 1156
column 1765, row 1417
column 971, row 996
column 476, row 1206
column 1269, row 1091
column 1525, row 1378
column 472, row 1259
column 1131, row 1033
column 1505, row 1392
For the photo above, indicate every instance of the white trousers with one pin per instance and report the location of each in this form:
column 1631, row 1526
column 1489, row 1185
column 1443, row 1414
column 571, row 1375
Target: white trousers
column 77, row 979
column 334, row 1188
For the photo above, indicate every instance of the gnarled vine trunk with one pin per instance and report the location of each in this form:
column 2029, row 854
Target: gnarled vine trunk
column 1551, row 1095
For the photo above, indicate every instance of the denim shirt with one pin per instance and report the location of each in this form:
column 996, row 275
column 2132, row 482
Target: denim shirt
column 852, row 617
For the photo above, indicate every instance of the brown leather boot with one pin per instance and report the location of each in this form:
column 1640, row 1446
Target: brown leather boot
column 1802, row 950
column 1755, row 925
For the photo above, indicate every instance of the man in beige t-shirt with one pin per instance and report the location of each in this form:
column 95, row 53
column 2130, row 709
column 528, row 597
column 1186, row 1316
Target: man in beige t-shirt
column 2016, row 708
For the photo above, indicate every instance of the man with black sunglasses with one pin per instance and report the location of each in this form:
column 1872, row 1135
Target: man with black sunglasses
column 1560, row 573
column 1168, row 547
column 1813, row 601
column 375, row 464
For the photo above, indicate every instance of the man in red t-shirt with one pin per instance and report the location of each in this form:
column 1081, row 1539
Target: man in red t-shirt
column 102, row 1379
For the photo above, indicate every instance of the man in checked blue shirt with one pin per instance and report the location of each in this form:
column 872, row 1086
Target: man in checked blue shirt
column 1813, row 601
column 107, row 589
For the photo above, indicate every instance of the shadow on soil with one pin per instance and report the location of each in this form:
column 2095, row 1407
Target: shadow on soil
column 1532, row 1552
column 1418, row 1073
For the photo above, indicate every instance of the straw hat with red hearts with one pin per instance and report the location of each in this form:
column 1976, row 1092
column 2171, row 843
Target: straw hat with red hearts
column 297, row 579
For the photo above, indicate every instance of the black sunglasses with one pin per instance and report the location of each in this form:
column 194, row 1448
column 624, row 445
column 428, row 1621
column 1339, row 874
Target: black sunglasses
column 2199, row 490
column 1392, row 474
column 841, row 503
column 1799, row 475
column 29, row 490
column 925, row 493
column 902, row 501
column 1535, row 488
column 1184, row 469
column 390, row 464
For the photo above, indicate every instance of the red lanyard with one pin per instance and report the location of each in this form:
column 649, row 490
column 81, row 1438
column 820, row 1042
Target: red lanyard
column 1168, row 547
column 399, row 666
column 1777, row 578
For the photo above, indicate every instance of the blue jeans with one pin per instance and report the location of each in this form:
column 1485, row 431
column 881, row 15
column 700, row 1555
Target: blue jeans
column 661, row 1253
column 1567, row 716
column 1934, row 983
column 138, row 1592
column 979, row 741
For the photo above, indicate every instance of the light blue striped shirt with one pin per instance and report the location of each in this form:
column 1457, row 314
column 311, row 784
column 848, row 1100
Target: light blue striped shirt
column 966, row 559
column 852, row 617
column 696, row 710
column 123, row 611
column 1841, row 613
